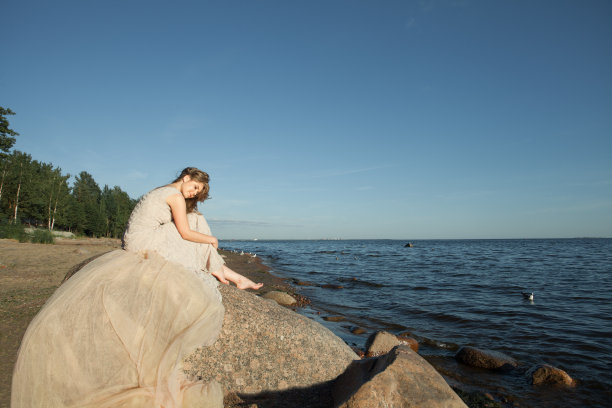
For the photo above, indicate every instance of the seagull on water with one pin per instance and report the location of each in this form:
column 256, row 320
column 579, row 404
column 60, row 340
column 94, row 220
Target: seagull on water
column 528, row 295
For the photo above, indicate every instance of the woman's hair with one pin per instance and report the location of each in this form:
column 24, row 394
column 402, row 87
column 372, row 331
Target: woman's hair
column 199, row 176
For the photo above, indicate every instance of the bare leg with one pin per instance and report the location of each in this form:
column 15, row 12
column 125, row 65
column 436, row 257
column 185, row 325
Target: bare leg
column 220, row 276
column 225, row 275
column 242, row 282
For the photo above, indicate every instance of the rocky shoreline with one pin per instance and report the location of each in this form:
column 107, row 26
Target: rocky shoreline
column 269, row 356
column 476, row 362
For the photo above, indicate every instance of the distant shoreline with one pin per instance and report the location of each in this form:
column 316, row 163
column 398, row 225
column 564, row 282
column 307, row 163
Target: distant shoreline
column 405, row 240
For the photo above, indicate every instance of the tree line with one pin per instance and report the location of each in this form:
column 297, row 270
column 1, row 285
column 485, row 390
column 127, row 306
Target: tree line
column 39, row 194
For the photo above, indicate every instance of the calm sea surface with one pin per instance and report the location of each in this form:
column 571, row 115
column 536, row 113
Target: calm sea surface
column 451, row 293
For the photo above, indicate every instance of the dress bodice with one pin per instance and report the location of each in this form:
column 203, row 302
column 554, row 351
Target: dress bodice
column 150, row 212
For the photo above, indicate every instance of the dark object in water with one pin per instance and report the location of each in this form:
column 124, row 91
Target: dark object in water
column 408, row 245
column 336, row 318
column 528, row 295
column 330, row 286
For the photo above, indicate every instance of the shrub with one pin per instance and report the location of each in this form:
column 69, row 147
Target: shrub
column 13, row 231
column 42, row 237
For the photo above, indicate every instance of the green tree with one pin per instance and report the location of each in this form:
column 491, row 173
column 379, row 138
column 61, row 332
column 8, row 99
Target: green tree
column 7, row 135
column 39, row 194
column 75, row 219
column 119, row 206
column 58, row 200
column 88, row 196
column 16, row 189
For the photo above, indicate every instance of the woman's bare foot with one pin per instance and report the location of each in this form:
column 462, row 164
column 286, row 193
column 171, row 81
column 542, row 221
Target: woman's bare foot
column 246, row 283
column 242, row 282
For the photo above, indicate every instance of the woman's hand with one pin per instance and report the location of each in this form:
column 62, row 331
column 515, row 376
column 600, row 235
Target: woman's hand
column 179, row 217
column 214, row 242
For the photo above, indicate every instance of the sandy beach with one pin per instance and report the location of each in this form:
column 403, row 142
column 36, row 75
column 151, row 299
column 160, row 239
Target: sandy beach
column 30, row 273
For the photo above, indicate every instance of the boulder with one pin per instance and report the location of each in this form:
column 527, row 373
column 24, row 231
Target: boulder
column 267, row 347
column 400, row 378
column 382, row 342
column 548, row 375
column 489, row 359
column 279, row 297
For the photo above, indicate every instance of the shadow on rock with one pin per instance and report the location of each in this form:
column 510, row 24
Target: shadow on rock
column 315, row 396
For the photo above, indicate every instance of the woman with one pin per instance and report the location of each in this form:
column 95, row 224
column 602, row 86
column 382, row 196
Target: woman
column 166, row 221
column 115, row 334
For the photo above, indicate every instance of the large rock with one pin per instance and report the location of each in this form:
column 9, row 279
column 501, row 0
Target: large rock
column 548, row 375
column 266, row 347
column 400, row 378
column 489, row 359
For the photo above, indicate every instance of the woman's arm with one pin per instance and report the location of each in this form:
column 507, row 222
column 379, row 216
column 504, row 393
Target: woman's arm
column 179, row 214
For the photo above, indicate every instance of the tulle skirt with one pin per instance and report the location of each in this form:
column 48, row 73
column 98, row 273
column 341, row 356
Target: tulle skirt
column 115, row 335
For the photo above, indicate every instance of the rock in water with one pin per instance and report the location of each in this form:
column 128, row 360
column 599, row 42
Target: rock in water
column 382, row 342
column 279, row 297
column 490, row 359
column 547, row 374
column 410, row 342
column 266, row 347
column 400, row 378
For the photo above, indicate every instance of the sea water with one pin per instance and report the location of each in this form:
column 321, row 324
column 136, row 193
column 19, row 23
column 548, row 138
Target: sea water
column 453, row 293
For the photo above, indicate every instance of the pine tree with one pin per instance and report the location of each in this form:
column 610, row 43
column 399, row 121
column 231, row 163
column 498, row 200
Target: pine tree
column 7, row 135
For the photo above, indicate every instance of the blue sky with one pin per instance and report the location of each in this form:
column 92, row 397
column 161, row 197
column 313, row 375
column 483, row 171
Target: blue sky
column 326, row 119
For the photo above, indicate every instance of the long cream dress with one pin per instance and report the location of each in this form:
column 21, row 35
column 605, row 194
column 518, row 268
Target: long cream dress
column 115, row 334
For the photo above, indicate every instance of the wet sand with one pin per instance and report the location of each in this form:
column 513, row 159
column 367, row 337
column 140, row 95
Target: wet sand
column 30, row 273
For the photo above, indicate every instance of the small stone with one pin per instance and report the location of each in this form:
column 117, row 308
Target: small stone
column 334, row 318
column 489, row 359
column 330, row 286
column 380, row 343
column 409, row 341
column 279, row 297
column 358, row 330
column 547, row 374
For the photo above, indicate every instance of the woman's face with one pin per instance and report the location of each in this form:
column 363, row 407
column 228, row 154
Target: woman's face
column 191, row 188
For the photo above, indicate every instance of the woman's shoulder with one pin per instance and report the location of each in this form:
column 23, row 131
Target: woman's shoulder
column 159, row 194
column 165, row 191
